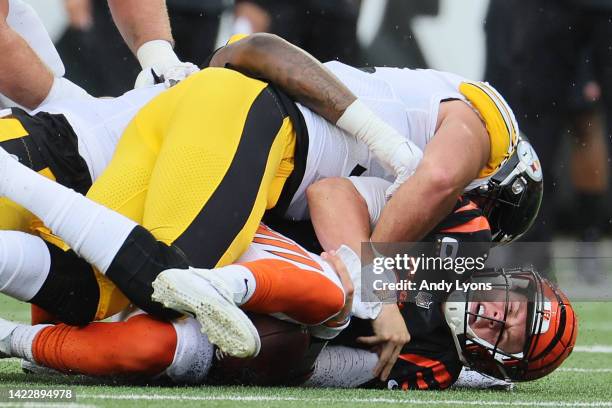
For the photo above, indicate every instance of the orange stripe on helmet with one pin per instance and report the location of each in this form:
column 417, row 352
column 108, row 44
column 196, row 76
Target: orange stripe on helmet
column 473, row 225
column 469, row 206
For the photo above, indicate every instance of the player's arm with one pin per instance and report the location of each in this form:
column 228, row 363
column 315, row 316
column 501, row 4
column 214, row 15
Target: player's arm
column 24, row 78
column 339, row 214
column 293, row 69
column 422, row 371
column 304, row 78
column 140, row 21
column 347, row 222
column 454, row 157
column 145, row 27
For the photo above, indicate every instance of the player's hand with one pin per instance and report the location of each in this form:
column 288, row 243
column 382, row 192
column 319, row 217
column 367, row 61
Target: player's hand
column 399, row 180
column 347, row 284
column 170, row 76
column 160, row 64
column 390, row 335
column 403, row 163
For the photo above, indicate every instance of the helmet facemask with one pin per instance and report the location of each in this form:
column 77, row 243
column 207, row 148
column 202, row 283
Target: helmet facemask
column 539, row 340
column 511, row 198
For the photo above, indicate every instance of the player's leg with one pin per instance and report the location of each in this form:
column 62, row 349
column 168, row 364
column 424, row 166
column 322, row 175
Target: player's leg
column 264, row 286
column 141, row 347
column 124, row 184
column 73, row 216
column 16, row 137
column 53, row 279
column 24, row 265
column 275, row 276
column 115, row 247
column 231, row 146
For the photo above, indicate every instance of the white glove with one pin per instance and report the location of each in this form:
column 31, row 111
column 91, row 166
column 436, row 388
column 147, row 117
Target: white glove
column 159, row 62
column 394, row 151
column 402, row 153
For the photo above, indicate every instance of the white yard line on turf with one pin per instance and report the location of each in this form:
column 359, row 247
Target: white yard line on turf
column 258, row 398
column 44, row 405
column 586, row 370
column 595, row 348
column 597, row 327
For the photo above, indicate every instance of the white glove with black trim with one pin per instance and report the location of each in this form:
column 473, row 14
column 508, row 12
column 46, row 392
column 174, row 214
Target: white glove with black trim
column 160, row 64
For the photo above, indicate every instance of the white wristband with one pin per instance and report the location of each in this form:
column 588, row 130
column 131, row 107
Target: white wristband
column 157, row 54
column 356, row 117
column 393, row 149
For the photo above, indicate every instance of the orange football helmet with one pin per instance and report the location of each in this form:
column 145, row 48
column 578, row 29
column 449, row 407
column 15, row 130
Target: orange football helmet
column 551, row 326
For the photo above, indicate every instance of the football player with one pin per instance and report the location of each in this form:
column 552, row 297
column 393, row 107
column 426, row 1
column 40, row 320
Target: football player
column 494, row 341
column 510, row 200
column 275, row 276
column 175, row 348
column 466, row 224
column 520, row 331
column 125, row 180
column 522, row 339
column 89, row 129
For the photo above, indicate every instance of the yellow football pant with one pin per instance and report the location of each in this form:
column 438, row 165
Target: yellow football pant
column 198, row 166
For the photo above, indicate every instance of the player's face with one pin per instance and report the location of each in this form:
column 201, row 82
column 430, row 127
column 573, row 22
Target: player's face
column 487, row 325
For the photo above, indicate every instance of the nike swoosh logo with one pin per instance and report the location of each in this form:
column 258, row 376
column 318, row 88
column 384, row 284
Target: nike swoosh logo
column 246, row 292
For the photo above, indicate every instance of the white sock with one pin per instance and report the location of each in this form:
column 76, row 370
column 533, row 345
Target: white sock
column 194, row 353
column 22, row 339
column 92, row 230
column 24, row 264
column 239, row 280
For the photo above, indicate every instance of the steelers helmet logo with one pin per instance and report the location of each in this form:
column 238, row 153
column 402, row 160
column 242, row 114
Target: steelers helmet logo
column 530, row 160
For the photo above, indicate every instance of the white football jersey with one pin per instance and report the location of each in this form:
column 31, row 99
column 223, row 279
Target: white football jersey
column 407, row 99
column 99, row 122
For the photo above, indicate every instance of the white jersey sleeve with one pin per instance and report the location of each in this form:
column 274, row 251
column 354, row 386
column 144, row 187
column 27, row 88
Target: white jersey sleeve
column 373, row 190
column 98, row 122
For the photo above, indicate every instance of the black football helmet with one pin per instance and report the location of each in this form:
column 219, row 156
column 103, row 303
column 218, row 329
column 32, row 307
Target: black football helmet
column 511, row 198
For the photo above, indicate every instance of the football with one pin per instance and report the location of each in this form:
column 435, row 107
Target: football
column 286, row 357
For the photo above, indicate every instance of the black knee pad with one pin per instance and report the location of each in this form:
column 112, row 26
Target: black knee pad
column 70, row 292
column 139, row 261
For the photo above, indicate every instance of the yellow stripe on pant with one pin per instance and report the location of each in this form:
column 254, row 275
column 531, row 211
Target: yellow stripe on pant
column 200, row 164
